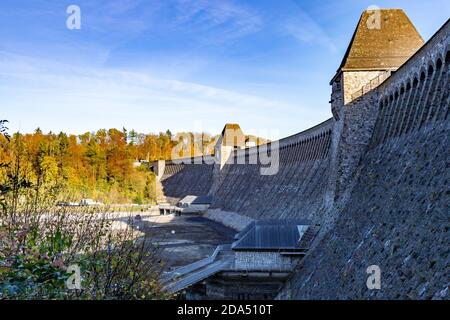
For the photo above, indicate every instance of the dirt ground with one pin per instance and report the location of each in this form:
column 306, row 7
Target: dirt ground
column 184, row 239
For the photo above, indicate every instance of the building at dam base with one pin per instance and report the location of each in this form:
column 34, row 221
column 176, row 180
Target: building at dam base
column 374, row 176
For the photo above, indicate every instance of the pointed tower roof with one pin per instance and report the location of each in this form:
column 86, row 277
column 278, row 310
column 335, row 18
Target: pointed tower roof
column 383, row 40
column 232, row 135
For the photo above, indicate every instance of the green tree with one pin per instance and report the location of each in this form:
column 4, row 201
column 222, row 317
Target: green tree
column 133, row 137
column 4, row 129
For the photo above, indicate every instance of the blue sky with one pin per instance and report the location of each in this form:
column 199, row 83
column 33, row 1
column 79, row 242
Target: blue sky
column 179, row 65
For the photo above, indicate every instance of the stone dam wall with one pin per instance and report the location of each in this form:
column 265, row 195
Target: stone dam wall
column 297, row 190
column 375, row 177
column 396, row 213
column 192, row 177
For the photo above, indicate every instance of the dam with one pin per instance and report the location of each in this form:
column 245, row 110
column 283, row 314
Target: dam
column 369, row 186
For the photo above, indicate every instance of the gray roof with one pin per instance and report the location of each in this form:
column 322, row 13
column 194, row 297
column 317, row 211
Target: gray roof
column 202, row 200
column 269, row 235
column 190, row 199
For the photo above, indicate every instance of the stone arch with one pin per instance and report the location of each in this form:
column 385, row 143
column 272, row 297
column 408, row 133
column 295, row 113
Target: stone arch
column 411, row 85
column 385, row 115
column 447, row 57
column 423, row 75
column 440, row 55
column 418, row 98
column 402, row 110
column 430, row 69
column 408, row 85
column 438, row 63
column 382, row 103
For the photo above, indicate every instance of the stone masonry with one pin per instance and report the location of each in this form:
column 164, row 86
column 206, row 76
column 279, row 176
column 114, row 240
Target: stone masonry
column 375, row 176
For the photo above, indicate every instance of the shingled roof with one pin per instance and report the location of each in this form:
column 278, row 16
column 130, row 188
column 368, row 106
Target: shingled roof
column 383, row 44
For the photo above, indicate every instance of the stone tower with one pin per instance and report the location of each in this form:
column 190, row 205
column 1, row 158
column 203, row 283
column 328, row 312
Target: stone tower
column 232, row 138
column 383, row 40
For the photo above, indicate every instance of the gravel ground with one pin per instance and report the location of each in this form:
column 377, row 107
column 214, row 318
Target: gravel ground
column 184, row 239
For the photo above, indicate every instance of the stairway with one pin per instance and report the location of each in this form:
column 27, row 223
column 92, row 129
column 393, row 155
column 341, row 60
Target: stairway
column 183, row 277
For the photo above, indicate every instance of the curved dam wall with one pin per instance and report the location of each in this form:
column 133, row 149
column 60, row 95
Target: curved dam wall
column 396, row 212
column 296, row 190
column 301, row 178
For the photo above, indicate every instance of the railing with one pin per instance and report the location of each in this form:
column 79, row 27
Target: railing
column 197, row 276
column 273, row 266
column 375, row 82
column 177, row 273
column 188, row 275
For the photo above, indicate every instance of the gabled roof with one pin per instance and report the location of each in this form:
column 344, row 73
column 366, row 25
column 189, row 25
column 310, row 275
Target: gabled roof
column 271, row 235
column 190, row 199
column 202, row 200
column 383, row 40
column 231, row 126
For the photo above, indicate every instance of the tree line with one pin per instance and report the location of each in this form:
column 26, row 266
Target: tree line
column 74, row 252
column 103, row 165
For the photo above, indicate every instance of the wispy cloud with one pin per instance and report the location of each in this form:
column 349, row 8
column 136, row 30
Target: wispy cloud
column 307, row 30
column 108, row 82
column 58, row 90
column 155, row 64
column 222, row 20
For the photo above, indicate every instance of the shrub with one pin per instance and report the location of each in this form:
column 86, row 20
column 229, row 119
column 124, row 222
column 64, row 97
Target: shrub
column 38, row 242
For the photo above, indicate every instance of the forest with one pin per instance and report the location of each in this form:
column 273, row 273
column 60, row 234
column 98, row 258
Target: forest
column 102, row 165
